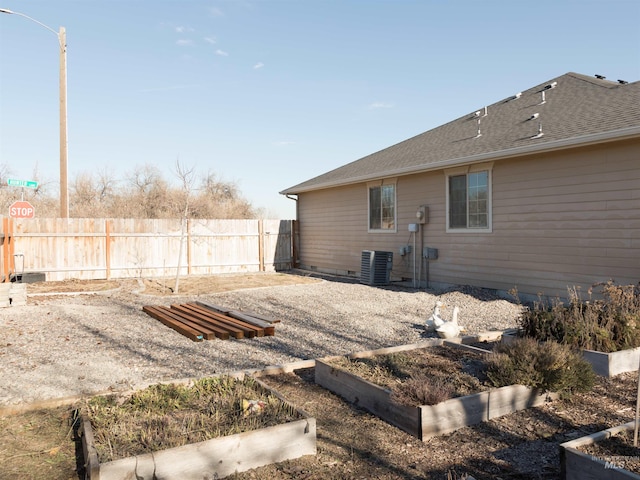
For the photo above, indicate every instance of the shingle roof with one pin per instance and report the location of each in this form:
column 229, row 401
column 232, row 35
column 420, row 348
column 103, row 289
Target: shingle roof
column 577, row 110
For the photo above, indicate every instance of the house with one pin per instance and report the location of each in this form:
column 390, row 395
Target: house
column 539, row 191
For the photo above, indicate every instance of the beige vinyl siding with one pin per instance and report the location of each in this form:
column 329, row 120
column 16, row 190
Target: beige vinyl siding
column 333, row 224
column 559, row 221
column 564, row 219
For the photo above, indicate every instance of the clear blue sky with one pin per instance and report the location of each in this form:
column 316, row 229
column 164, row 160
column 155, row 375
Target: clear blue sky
column 270, row 93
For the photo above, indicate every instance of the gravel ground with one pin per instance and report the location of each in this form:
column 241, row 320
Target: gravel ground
column 66, row 345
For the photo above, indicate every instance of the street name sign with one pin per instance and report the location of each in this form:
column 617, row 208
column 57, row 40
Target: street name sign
column 22, row 183
column 22, row 209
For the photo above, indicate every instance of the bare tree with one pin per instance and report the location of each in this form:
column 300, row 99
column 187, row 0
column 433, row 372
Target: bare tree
column 186, row 177
column 144, row 193
column 149, row 194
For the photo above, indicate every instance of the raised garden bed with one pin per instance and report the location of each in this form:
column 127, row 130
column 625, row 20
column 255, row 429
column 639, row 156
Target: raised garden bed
column 606, row 364
column 614, row 363
column 579, row 461
column 216, row 457
column 425, row 421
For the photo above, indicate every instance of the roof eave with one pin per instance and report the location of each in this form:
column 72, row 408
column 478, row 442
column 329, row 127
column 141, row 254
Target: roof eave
column 555, row 145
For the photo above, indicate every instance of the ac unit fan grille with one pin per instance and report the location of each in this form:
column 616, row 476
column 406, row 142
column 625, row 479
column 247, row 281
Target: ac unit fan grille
column 376, row 267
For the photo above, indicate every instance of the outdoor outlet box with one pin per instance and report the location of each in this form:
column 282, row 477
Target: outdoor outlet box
column 430, row 253
column 413, row 227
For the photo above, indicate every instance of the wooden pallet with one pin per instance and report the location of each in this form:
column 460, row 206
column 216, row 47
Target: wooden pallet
column 201, row 321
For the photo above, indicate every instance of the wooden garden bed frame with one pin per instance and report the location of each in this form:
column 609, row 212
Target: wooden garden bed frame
column 576, row 465
column 215, row 458
column 425, row 421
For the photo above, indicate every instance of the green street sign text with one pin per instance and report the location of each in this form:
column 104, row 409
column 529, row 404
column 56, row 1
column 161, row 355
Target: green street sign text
column 22, row 183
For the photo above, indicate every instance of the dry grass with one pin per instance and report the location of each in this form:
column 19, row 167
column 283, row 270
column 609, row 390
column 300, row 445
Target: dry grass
column 424, row 376
column 166, row 416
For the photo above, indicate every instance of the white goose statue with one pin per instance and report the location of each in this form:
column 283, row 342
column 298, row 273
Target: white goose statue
column 435, row 320
column 450, row 329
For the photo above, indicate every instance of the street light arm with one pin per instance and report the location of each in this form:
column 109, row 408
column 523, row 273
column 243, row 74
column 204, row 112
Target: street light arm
column 62, row 41
column 11, row 12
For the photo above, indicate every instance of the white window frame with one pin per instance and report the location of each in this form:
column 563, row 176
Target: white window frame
column 465, row 170
column 381, row 183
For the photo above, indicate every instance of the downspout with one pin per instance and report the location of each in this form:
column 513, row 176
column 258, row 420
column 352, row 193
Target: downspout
column 421, row 256
column 295, row 240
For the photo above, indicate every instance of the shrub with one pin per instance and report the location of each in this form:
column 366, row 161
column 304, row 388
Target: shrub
column 607, row 324
column 548, row 366
column 423, row 390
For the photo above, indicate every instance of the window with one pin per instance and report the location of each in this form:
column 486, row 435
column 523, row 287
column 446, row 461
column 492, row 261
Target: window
column 468, row 201
column 382, row 207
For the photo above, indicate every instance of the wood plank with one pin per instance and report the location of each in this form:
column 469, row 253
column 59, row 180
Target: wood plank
column 228, row 311
column 260, row 331
column 234, row 331
column 258, row 316
column 206, row 329
column 174, row 324
column 253, row 330
column 203, row 326
column 206, row 333
column 221, row 456
column 230, row 323
column 214, row 307
column 252, row 320
column 366, row 395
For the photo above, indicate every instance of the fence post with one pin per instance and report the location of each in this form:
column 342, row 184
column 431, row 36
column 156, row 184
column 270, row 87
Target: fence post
column 188, row 246
column 6, row 235
column 261, row 244
column 107, row 247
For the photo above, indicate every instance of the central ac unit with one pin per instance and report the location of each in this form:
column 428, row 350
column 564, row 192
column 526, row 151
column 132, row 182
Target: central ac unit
column 376, row 267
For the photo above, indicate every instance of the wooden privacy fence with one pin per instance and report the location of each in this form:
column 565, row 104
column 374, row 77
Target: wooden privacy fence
column 98, row 248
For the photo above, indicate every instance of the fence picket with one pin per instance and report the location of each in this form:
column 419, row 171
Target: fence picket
column 126, row 248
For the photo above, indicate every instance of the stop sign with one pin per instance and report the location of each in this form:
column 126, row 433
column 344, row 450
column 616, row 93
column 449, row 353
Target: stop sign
column 22, row 209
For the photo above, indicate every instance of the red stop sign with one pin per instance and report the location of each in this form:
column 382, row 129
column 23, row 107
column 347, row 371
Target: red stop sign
column 22, row 209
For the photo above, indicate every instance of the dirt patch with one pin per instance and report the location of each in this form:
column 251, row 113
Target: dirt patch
column 192, row 285
column 43, row 444
column 73, row 285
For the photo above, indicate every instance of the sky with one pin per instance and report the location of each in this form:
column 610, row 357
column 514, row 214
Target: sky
column 270, row 93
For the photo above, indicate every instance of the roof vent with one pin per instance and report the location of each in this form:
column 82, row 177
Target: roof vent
column 476, row 114
column 600, row 77
column 534, row 116
column 514, row 97
column 622, row 82
column 550, row 86
column 540, row 134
